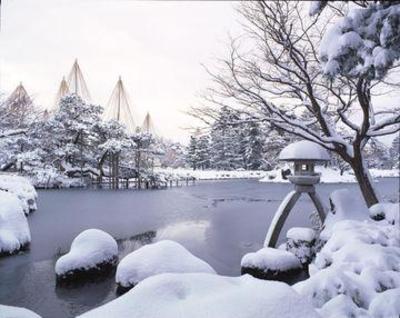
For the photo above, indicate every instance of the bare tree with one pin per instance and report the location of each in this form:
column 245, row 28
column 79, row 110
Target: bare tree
column 273, row 72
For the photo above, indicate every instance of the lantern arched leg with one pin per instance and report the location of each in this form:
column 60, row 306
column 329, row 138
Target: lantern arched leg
column 280, row 218
column 318, row 204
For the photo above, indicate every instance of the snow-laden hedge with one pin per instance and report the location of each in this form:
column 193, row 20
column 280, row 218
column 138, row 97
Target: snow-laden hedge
column 14, row 229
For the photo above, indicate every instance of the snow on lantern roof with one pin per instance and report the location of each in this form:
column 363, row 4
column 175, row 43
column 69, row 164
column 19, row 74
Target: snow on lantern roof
column 304, row 150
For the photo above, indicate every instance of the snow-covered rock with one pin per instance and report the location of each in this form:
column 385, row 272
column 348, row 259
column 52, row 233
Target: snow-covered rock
column 16, row 312
column 14, row 229
column 386, row 211
column 161, row 257
column 93, row 252
column 200, row 295
column 304, row 150
column 271, row 264
column 22, row 188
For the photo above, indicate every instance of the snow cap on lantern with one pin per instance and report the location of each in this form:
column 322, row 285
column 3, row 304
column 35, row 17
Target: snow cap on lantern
column 305, row 154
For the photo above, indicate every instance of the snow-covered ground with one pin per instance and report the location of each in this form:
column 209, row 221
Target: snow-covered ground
column 200, row 295
column 182, row 173
column 22, row 188
column 89, row 249
column 14, row 228
column 161, row 257
column 328, row 175
column 16, row 312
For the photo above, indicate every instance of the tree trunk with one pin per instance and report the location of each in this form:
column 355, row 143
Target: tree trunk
column 365, row 183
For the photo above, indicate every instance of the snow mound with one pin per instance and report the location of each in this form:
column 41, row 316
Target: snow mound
column 386, row 304
column 200, row 295
column 162, row 257
column 14, row 228
column 301, row 234
column 342, row 306
column 16, row 312
column 89, row 249
column 304, row 150
column 22, row 188
column 271, row 259
column 386, row 211
column 343, row 206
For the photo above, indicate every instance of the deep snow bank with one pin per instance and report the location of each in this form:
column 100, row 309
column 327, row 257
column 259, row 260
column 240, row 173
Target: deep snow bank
column 203, row 295
column 161, row 257
column 91, row 251
column 22, row 188
column 14, row 229
column 357, row 271
column 16, row 312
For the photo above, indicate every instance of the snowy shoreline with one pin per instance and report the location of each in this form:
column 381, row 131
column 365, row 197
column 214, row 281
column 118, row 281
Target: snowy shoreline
column 328, row 175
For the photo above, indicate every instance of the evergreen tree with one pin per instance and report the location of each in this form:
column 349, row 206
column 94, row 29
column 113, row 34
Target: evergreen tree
column 192, row 155
column 203, row 152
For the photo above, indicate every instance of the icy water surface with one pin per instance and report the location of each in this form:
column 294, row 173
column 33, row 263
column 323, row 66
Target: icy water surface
column 217, row 221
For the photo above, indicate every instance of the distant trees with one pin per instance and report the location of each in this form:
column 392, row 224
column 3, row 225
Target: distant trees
column 285, row 81
column 75, row 142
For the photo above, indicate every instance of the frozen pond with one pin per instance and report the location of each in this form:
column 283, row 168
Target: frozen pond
column 216, row 221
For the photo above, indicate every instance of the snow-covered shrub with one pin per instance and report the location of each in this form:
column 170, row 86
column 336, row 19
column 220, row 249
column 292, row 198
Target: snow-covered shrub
column 357, row 266
column 22, row 188
column 92, row 252
column 386, row 211
column 200, row 295
column 162, row 257
column 271, row 264
column 16, row 312
column 301, row 242
column 14, row 229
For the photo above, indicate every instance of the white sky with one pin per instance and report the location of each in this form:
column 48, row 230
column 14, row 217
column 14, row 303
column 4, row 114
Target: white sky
column 157, row 47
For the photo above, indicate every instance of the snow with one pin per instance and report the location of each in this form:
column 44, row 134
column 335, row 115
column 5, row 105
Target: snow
column 22, row 188
column 304, row 150
column 344, row 206
column 357, row 272
column 88, row 249
column 16, row 312
column 161, row 257
column 199, row 295
column 301, row 234
column 386, row 304
column 388, row 211
column 14, row 228
column 271, row 259
column 182, row 174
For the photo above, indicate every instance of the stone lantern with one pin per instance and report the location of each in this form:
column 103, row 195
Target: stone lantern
column 305, row 155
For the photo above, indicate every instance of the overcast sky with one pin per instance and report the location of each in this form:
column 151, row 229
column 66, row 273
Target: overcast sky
column 157, row 47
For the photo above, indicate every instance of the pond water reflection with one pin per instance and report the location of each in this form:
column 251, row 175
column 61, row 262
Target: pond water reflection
column 217, row 221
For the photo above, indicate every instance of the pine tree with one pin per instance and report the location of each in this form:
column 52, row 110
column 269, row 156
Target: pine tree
column 191, row 157
column 203, row 152
column 253, row 146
